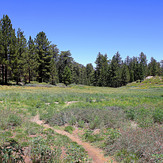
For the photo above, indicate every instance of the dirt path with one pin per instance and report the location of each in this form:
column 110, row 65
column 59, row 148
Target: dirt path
column 95, row 153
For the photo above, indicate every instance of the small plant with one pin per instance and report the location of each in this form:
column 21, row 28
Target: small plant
column 11, row 151
column 14, row 120
column 112, row 135
column 158, row 115
column 81, row 123
column 95, row 123
column 76, row 153
column 126, row 156
column 144, row 117
column 69, row 129
column 90, row 137
column 141, row 143
column 72, row 120
column 41, row 152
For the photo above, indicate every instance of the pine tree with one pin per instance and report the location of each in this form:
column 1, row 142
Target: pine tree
column 83, row 75
column 152, row 67
column 7, row 45
column 89, row 73
column 44, row 57
column 101, row 70
column 65, row 59
column 76, row 68
column 142, row 66
column 53, row 72
column 31, row 59
column 66, row 76
column 125, row 75
column 135, row 67
column 53, row 64
column 1, row 56
column 115, row 70
column 18, row 58
column 161, row 66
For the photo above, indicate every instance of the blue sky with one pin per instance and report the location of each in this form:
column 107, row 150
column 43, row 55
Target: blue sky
column 86, row 27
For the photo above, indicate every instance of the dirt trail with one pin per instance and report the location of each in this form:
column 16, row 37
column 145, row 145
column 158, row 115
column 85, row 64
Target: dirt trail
column 95, row 153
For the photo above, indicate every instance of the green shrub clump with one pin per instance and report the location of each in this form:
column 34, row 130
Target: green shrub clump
column 69, row 129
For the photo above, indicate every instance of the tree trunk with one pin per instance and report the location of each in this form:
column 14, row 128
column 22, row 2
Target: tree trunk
column 5, row 74
column 2, row 74
column 29, row 76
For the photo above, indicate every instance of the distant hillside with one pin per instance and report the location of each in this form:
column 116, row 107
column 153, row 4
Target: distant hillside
column 148, row 81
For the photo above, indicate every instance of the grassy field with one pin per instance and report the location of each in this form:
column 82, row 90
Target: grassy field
column 124, row 122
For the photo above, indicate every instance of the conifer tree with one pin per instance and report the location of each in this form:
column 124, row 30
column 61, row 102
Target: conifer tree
column 142, row 66
column 7, row 45
column 31, row 60
column 18, row 58
column 154, row 67
column 66, row 76
column 1, row 56
column 115, row 70
column 65, row 59
column 89, row 73
column 161, row 66
column 135, row 67
column 44, row 57
column 83, row 75
column 101, row 70
column 125, row 75
column 129, row 63
column 53, row 64
column 76, row 68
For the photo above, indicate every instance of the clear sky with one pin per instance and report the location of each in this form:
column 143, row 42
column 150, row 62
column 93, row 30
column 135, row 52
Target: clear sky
column 86, row 27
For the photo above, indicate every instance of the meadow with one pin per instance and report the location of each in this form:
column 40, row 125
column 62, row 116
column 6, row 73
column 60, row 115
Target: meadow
column 125, row 122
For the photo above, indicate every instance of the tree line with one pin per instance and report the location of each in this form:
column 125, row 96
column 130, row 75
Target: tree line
column 37, row 59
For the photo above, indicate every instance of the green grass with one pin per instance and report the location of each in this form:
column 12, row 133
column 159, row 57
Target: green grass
column 109, row 109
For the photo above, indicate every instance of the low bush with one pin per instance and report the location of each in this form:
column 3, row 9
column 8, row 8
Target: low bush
column 76, row 153
column 141, row 143
column 42, row 152
column 95, row 118
column 112, row 136
column 90, row 137
column 9, row 119
column 32, row 128
column 14, row 120
column 81, row 123
column 143, row 117
column 11, row 151
column 69, row 129
column 158, row 115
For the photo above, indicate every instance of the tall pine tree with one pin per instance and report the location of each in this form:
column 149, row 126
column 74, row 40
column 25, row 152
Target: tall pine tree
column 53, row 64
column 115, row 70
column 44, row 57
column 31, row 60
column 7, row 45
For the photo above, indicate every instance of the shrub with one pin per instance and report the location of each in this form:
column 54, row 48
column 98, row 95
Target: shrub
column 11, row 151
column 41, row 151
column 81, row 123
column 130, row 113
column 31, row 128
column 14, row 120
column 158, row 115
column 95, row 118
column 76, row 153
column 89, row 136
column 112, row 135
column 144, row 144
column 143, row 117
column 69, row 129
